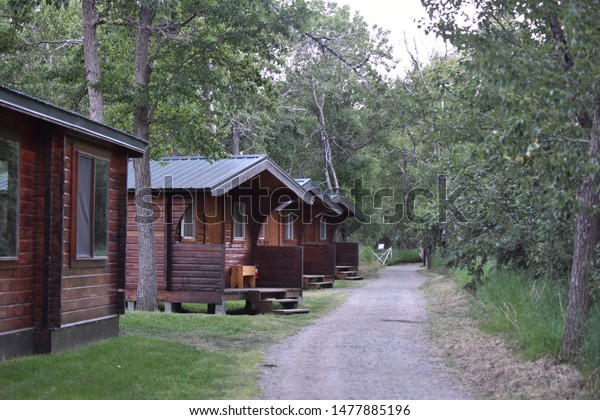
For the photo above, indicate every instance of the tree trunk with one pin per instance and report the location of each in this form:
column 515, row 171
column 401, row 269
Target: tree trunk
column 147, row 285
column 235, row 137
column 328, row 168
column 92, row 59
column 586, row 239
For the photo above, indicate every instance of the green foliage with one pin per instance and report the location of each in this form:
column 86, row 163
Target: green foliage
column 514, row 140
column 211, row 61
column 366, row 256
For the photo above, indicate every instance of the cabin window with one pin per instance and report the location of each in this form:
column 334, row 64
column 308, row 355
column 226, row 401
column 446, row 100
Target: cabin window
column 289, row 226
column 239, row 221
column 322, row 229
column 92, row 207
column 9, row 197
column 188, row 225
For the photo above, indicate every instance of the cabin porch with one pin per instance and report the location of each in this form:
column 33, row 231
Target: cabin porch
column 347, row 261
column 278, row 301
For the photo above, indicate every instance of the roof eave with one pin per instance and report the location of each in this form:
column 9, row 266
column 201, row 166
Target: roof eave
column 34, row 107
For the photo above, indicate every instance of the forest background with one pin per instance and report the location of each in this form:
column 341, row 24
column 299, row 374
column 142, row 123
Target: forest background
column 485, row 157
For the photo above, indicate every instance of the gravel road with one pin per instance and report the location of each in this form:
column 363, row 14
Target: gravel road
column 370, row 348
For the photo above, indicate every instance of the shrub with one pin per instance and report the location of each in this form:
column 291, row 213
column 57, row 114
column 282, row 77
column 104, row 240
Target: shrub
column 366, row 256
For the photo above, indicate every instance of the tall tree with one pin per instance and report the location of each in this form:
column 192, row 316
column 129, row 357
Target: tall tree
column 92, row 59
column 147, row 286
column 332, row 86
column 543, row 58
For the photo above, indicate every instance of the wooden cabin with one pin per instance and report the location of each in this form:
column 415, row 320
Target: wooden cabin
column 63, row 209
column 208, row 221
column 313, row 228
column 347, row 258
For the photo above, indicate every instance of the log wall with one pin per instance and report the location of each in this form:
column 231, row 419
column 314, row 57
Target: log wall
column 21, row 278
column 319, row 259
column 346, row 254
column 280, row 266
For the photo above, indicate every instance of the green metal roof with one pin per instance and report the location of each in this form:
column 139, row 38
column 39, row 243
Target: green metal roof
column 46, row 111
column 218, row 176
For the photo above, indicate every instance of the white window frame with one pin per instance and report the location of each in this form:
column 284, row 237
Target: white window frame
column 289, row 226
column 322, row 229
column 190, row 210
column 239, row 221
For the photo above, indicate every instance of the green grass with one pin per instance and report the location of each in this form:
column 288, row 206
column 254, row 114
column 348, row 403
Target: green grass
column 461, row 276
column 531, row 314
column 128, row 368
column 164, row 356
column 399, row 256
column 404, row 256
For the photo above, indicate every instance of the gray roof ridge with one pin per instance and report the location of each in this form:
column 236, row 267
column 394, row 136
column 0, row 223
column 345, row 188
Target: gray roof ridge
column 202, row 157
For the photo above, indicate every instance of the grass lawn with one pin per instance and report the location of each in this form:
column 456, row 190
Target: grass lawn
column 166, row 356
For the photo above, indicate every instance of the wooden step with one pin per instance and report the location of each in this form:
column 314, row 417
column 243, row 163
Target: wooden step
column 286, row 300
column 287, row 303
column 264, row 295
column 319, row 284
column 290, row 311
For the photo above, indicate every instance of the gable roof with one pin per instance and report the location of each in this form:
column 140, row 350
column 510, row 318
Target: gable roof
column 337, row 202
column 343, row 202
column 218, row 176
column 46, row 111
column 309, row 185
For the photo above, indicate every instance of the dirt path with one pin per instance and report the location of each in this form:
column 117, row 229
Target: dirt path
column 370, row 348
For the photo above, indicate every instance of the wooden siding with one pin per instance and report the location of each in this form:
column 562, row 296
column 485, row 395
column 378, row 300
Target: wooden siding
column 196, row 267
column 280, row 266
column 21, row 278
column 188, row 271
column 346, row 254
column 319, row 259
column 97, row 296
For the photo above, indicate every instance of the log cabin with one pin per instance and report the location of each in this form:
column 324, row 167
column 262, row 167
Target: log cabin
column 63, row 210
column 208, row 222
column 313, row 228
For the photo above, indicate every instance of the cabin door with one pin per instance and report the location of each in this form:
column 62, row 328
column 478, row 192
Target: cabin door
column 214, row 231
column 272, row 229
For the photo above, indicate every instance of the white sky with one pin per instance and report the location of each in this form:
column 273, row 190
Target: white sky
column 398, row 16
